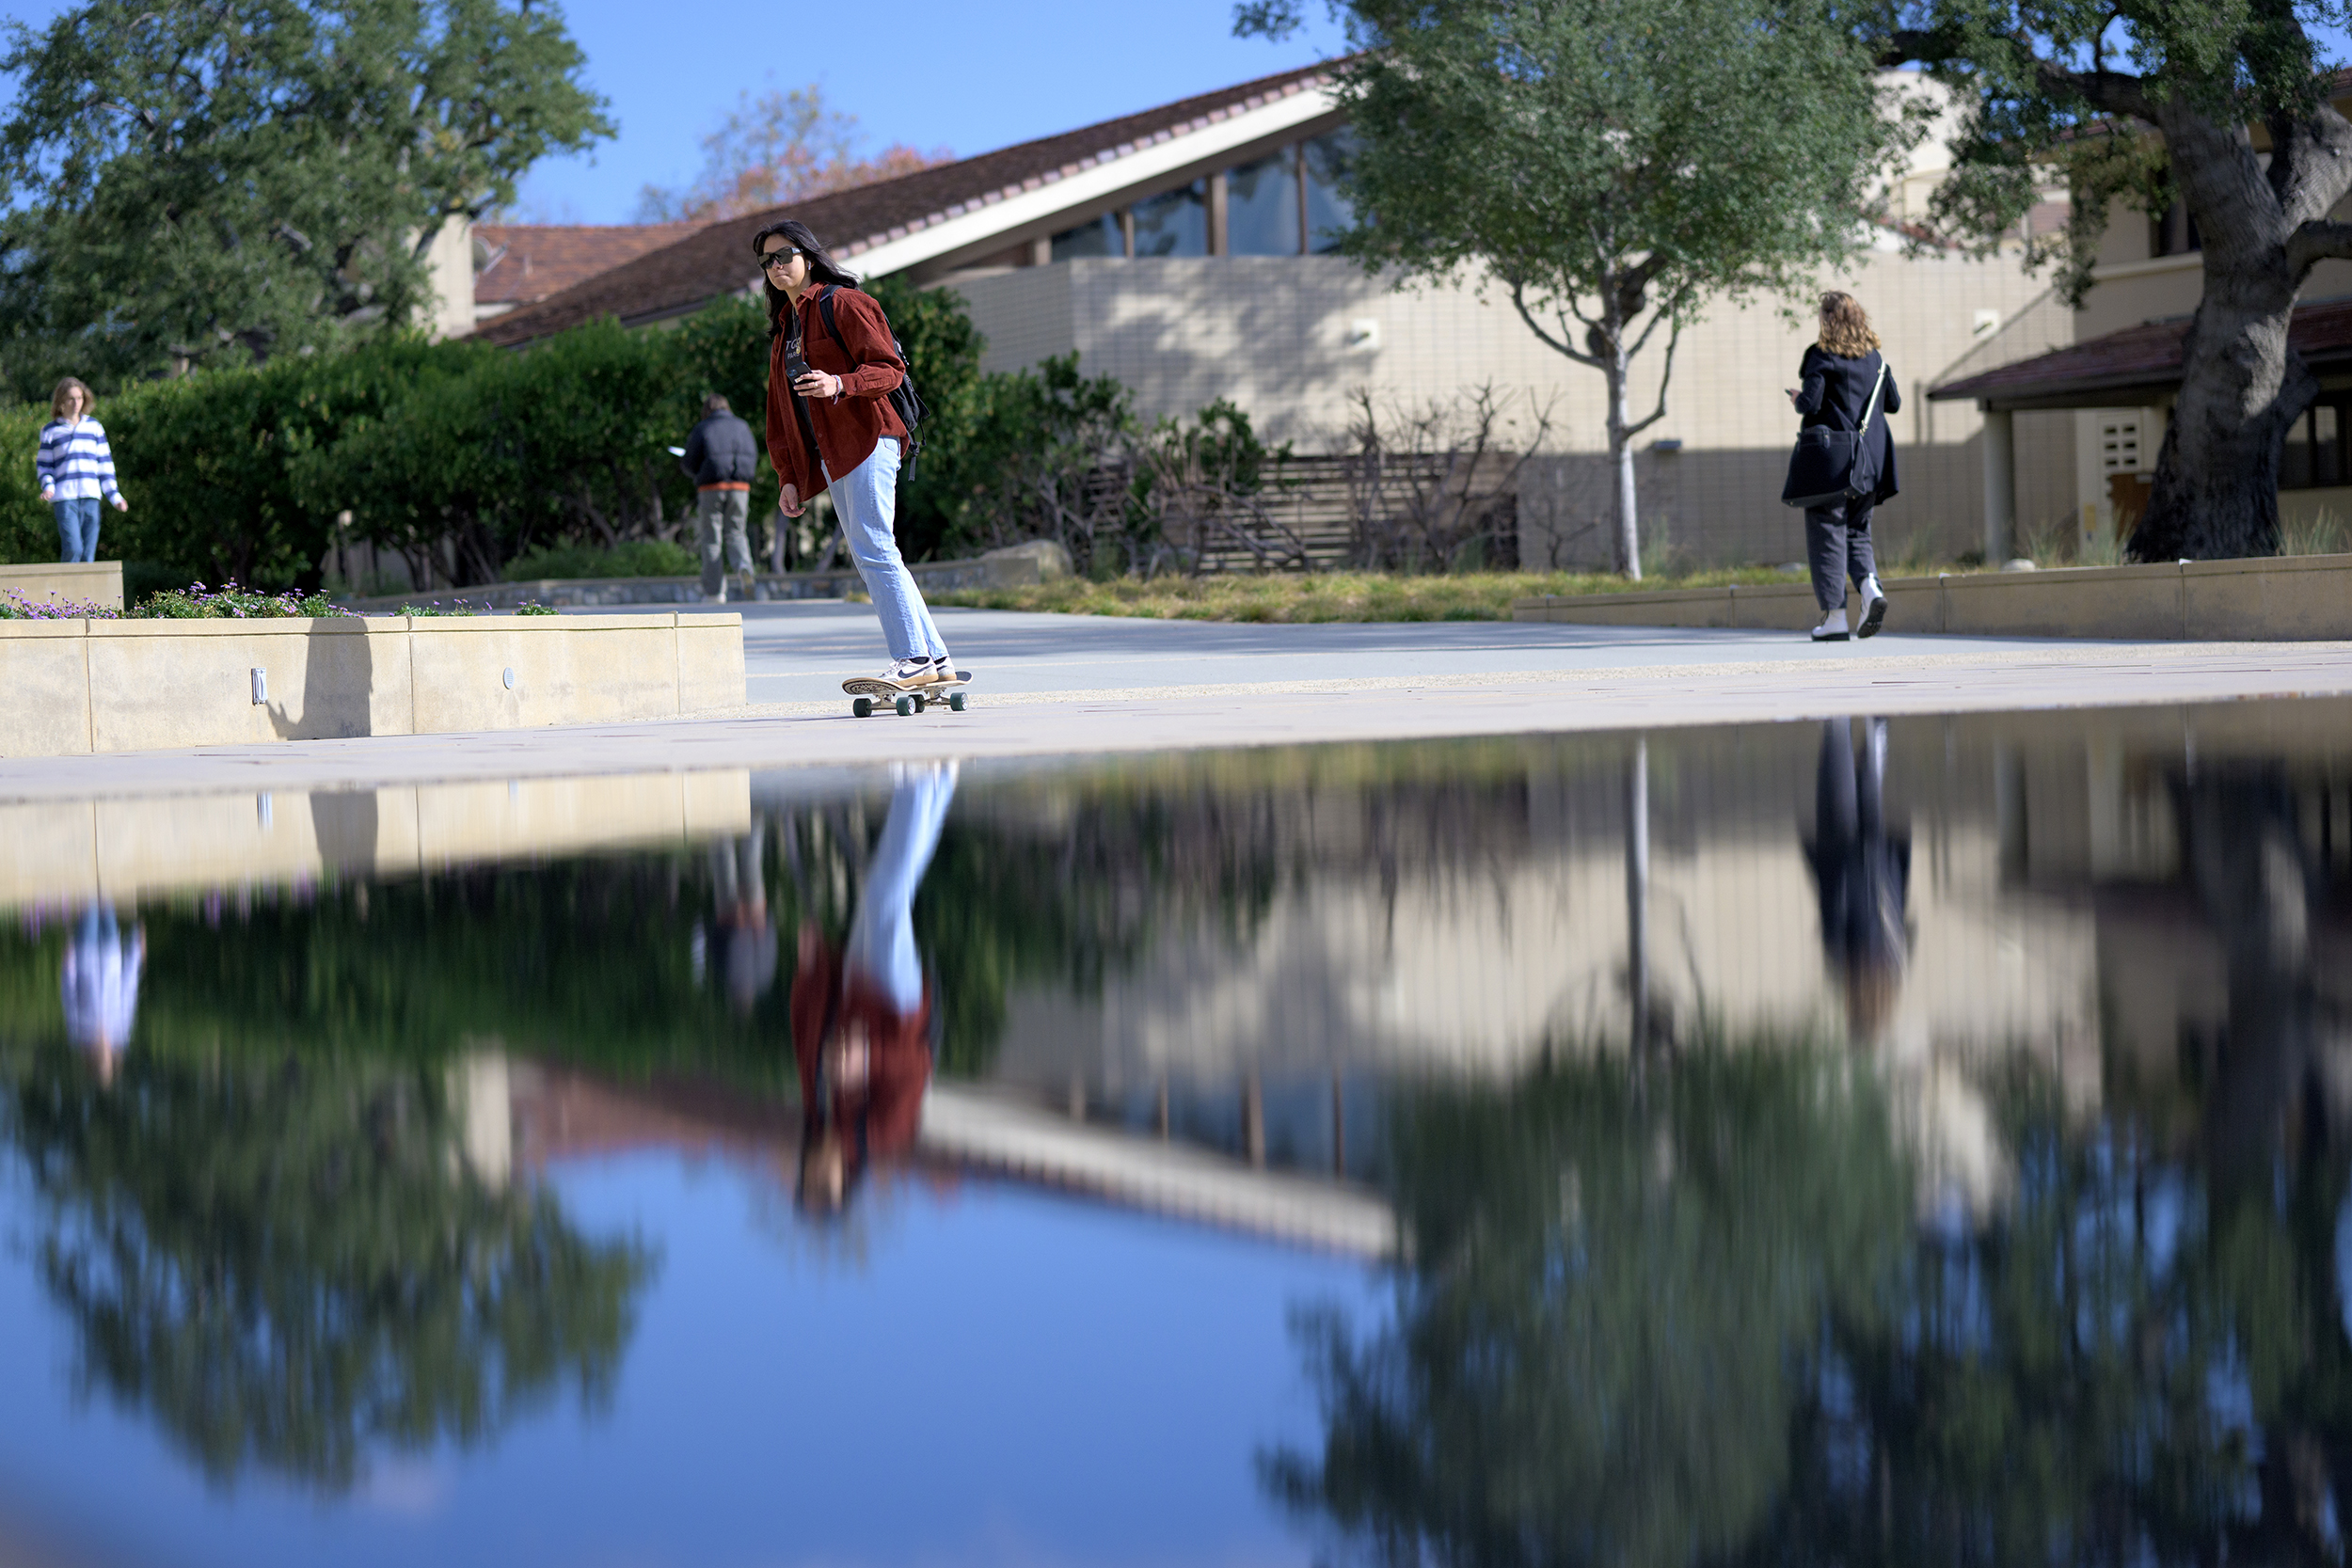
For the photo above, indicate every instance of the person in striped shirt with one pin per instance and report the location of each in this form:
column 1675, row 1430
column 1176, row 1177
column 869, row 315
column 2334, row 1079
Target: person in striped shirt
column 76, row 468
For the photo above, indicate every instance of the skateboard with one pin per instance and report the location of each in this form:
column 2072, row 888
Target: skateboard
column 868, row 693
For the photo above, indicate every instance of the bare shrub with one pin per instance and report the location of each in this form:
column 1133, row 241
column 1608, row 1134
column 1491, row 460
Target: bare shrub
column 1432, row 485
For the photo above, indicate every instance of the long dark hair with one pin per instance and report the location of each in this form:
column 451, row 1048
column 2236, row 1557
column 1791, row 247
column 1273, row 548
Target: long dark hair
column 822, row 268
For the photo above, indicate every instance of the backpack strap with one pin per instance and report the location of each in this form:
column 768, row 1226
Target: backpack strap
column 832, row 328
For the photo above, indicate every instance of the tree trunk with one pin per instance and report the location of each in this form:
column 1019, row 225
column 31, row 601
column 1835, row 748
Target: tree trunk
column 1627, row 520
column 2242, row 387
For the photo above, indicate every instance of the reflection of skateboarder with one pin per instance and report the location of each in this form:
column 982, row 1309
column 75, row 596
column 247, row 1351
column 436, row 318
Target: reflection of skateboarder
column 862, row 1013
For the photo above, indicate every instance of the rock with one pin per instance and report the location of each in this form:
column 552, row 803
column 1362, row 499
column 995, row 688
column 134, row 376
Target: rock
column 2020, row 564
column 1023, row 565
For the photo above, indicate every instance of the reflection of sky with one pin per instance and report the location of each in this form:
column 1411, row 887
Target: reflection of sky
column 1003, row 1376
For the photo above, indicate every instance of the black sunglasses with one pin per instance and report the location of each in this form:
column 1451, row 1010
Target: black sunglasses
column 776, row 258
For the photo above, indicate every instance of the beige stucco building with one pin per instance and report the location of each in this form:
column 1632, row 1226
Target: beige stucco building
column 1184, row 251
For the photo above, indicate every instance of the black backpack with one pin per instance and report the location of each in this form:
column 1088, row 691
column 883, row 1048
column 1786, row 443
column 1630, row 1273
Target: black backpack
column 903, row 398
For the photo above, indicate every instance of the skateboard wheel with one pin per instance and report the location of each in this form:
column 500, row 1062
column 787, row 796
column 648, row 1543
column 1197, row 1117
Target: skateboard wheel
column 919, row 704
column 955, row 702
column 905, row 706
column 863, row 707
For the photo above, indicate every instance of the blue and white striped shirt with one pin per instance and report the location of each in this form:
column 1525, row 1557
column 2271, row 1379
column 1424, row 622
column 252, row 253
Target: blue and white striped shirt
column 75, row 463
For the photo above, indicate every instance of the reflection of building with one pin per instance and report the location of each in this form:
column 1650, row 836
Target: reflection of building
column 1471, row 927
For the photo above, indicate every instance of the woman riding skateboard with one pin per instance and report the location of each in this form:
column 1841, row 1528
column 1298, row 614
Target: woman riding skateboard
column 832, row 366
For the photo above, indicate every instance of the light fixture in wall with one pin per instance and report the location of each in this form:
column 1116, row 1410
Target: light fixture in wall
column 1668, row 444
column 1363, row 334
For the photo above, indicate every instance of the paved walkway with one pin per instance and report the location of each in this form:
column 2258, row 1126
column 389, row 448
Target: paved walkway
column 1056, row 685
column 800, row 653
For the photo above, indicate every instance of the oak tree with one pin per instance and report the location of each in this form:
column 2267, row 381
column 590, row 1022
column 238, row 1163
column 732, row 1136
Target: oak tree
column 194, row 182
column 2220, row 104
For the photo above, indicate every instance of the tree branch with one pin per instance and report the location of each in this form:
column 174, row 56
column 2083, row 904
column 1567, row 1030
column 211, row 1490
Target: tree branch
column 2317, row 240
column 1665, row 378
column 1518, row 301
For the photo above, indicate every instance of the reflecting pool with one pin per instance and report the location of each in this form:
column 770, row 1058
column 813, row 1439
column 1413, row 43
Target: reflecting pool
column 1860, row 1141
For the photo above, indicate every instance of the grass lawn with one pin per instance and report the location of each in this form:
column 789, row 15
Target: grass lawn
column 1328, row 595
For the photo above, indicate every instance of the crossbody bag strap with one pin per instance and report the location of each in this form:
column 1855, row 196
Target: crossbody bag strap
column 799, row 409
column 1871, row 409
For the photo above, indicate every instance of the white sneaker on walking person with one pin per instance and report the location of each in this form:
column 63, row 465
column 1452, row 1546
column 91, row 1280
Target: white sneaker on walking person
column 1873, row 609
column 1833, row 626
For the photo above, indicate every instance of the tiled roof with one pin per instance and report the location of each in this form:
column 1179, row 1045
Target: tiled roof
column 2136, row 360
column 528, row 262
column 716, row 260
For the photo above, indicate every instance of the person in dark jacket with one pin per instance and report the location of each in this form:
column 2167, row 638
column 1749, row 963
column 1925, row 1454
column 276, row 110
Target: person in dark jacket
column 1835, row 385
column 721, row 456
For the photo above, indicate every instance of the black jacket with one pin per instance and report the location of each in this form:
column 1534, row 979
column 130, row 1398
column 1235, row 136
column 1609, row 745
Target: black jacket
column 721, row 452
column 1827, row 382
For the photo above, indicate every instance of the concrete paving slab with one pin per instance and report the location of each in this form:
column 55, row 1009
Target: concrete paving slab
column 1500, row 699
column 802, row 652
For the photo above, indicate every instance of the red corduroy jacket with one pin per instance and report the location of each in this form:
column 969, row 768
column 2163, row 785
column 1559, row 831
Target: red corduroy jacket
column 847, row 426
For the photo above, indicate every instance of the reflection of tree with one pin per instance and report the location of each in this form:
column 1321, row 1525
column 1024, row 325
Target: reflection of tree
column 288, row 1264
column 1614, row 1308
column 2138, row 1365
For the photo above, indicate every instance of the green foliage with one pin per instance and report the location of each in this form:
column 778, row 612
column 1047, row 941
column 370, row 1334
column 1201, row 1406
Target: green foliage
column 631, row 558
column 259, row 176
column 943, row 347
column 198, row 603
column 289, row 1264
column 1614, row 1310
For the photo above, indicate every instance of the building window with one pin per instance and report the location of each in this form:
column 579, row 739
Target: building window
column 1262, row 207
column 2314, row 456
column 2174, row 232
column 1098, row 237
column 1175, row 223
column 1329, row 213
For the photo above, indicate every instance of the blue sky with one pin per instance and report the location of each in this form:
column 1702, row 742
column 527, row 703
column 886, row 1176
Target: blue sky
column 926, row 73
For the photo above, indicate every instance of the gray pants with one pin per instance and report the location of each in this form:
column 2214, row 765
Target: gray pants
column 721, row 517
column 1837, row 544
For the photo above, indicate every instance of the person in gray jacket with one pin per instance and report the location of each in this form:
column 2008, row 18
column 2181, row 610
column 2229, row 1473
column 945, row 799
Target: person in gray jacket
column 721, row 457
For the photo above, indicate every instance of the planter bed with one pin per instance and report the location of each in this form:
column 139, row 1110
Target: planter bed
column 2298, row 598
column 87, row 686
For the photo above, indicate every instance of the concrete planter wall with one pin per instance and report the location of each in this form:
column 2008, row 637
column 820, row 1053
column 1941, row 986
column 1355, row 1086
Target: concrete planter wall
column 97, row 583
column 2303, row 598
column 77, row 687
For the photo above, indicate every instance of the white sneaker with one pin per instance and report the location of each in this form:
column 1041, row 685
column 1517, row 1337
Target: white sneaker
column 1873, row 609
column 909, row 673
column 1832, row 627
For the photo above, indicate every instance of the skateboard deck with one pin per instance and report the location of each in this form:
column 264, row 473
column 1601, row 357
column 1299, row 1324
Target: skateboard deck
column 870, row 694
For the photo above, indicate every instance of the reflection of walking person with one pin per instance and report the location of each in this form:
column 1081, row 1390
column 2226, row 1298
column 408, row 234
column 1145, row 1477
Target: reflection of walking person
column 1838, row 385
column 76, row 466
column 721, row 458
column 862, row 1014
column 740, row 943
column 831, row 366
column 100, row 986
column 1863, row 873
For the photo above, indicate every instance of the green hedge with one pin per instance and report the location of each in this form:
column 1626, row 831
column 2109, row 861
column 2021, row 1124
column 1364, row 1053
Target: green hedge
column 468, row 459
column 448, row 451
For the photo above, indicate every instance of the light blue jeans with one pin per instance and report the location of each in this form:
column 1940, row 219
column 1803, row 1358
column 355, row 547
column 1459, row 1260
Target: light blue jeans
column 867, row 500
column 77, row 528
column 881, row 932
